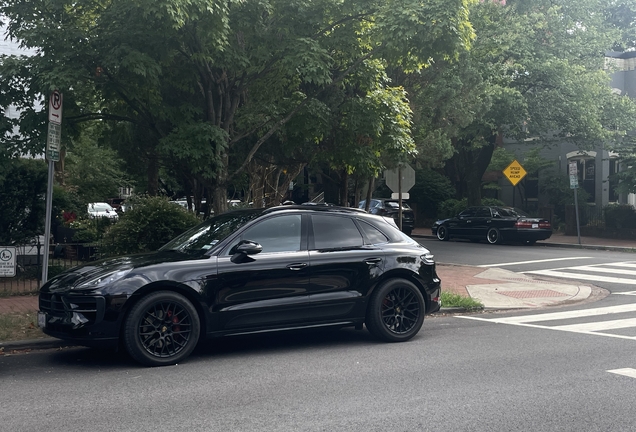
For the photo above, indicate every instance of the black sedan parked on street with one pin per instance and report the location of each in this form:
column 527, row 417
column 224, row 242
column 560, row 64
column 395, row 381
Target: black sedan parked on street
column 493, row 224
column 248, row 271
column 390, row 208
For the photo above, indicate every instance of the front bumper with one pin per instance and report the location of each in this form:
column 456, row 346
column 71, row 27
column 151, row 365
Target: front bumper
column 84, row 319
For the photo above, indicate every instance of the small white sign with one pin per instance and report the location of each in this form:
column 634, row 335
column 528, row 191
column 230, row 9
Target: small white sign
column 53, row 139
column 7, row 261
column 55, row 107
column 573, row 169
column 395, row 196
column 574, row 182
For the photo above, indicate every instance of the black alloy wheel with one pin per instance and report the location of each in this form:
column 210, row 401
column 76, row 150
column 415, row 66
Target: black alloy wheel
column 442, row 233
column 396, row 311
column 162, row 329
column 407, row 231
column 493, row 236
column 530, row 242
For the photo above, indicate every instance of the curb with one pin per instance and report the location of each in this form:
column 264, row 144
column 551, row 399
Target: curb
column 47, row 343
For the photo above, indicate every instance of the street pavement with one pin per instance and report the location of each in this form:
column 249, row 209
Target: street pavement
column 495, row 288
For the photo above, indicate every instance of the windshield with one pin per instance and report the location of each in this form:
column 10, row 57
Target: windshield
column 395, row 205
column 100, row 207
column 204, row 236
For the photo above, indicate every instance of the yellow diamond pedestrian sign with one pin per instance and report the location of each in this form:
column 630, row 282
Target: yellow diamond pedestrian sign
column 515, row 172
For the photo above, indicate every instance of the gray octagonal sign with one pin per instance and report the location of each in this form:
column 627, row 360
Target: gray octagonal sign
column 408, row 178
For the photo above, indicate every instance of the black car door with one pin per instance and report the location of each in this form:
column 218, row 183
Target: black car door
column 481, row 222
column 269, row 288
column 461, row 226
column 343, row 266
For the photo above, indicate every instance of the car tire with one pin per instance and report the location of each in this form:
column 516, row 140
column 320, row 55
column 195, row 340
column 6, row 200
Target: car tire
column 161, row 329
column 442, row 233
column 493, row 236
column 396, row 311
column 407, row 231
column 530, row 242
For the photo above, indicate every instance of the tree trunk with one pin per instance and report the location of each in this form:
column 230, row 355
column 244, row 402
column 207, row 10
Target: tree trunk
column 153, row 173
column 344, row 188
column 474, row 162
column 367, row 203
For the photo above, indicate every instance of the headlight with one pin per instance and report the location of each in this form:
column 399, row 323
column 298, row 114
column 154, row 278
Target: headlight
column 104, row 279
column 428, row 258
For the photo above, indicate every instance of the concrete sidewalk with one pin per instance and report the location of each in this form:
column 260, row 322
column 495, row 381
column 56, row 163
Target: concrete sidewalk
column 495, row 288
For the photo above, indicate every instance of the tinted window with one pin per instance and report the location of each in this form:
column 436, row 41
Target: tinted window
column 276, row 234
column 335, row 232
column 373, row 234
column 467, row 212
column 482, row 212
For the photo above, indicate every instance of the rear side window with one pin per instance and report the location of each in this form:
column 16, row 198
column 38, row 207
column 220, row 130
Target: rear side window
column 373, row 234
column 333, row 232
column 482, row 212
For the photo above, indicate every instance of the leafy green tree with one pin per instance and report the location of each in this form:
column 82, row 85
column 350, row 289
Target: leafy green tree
column 201, row 82
column 535, row 70
column 22, row 193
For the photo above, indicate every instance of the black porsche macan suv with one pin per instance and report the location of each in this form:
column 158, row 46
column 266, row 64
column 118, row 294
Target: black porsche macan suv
column 248, row 271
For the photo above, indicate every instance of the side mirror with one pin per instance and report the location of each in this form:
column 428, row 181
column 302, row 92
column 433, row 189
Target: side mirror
column 246, row 247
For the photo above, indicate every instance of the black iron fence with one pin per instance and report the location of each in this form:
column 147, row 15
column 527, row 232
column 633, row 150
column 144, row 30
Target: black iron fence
column 28, row 275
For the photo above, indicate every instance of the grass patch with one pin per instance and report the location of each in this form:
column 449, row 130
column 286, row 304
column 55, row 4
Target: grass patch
column 19, row 326
column 456, row 300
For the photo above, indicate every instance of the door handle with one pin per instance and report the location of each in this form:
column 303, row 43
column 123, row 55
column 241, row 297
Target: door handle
column 297, row 266
column 372, row 261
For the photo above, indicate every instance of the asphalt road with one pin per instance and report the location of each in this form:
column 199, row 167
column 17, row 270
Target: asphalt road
column 614, row 271
column 456, row 375
column 561, row 369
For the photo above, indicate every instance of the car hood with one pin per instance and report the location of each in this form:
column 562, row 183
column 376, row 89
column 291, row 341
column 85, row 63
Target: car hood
column 79, row 275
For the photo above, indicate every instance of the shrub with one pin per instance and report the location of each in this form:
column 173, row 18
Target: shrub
column 149, row 224
column 431, row 188
column 620, row 216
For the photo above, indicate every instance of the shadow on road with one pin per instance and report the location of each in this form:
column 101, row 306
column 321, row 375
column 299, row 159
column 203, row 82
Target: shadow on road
column 209, row 350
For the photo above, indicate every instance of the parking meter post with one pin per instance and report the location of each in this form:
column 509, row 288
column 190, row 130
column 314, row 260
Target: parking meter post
column 47, row 224
column 576, row 211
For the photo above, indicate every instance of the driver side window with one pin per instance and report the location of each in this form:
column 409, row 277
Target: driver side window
column 276, row 234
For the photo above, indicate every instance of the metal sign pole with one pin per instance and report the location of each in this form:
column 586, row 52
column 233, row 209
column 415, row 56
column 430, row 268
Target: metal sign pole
column 47, row 223
column 53, row 149
column 576, row 210
column 400, row 196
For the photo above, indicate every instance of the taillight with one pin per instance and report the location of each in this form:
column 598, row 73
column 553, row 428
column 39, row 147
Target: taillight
column 545, row 225
column 523, row 224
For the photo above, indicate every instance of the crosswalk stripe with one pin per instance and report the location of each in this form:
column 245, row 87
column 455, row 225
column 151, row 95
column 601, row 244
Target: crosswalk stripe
column 532, row 262
column 565, row 315
column 586, row 277
column 601, row 270
column 628, row 372
column 599, row 326
column 616, row 336
column 630, row 264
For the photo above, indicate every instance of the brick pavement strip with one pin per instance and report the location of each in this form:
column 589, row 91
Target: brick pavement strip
column 455, row 278
column 19, row 304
